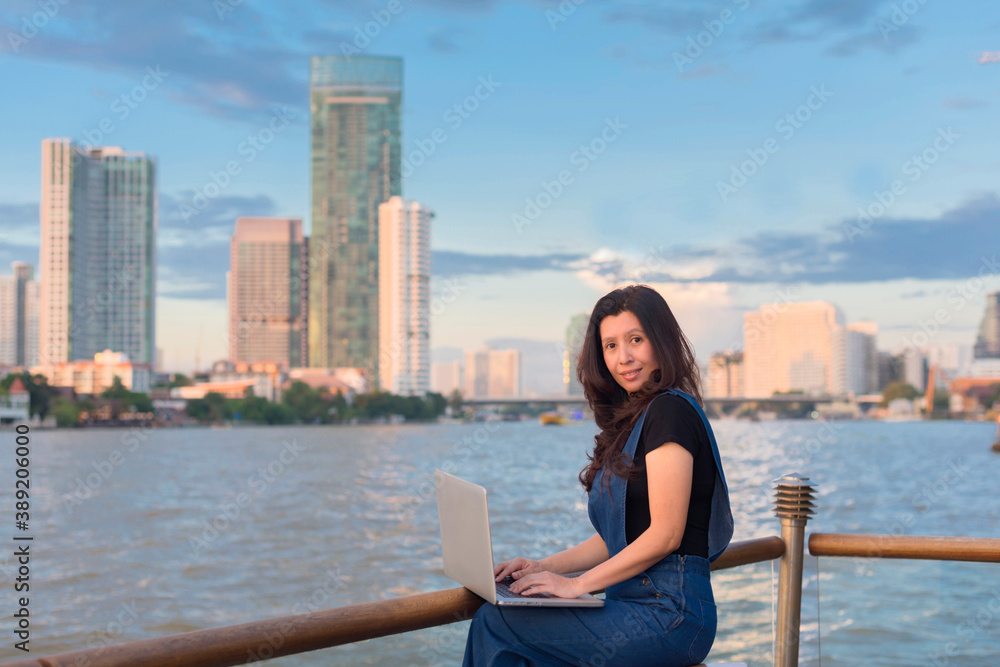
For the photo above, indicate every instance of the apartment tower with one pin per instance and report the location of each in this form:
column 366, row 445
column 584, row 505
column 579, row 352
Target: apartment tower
column 404, row 261
column 355, row 113
column 19, row 317
column 97, row 253
column 988, row 339
column 267, row 292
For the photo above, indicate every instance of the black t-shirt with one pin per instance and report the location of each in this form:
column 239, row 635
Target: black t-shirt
column 672, row 419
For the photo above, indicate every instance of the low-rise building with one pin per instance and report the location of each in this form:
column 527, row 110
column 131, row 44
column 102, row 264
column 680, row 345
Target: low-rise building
column 258, row 386
column 348, row 381
column 15, row 406
column 93, row 377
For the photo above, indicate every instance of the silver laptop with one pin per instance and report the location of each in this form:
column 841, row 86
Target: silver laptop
column 468, row 551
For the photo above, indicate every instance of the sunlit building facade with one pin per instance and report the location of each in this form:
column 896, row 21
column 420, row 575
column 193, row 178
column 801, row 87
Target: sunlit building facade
column 404, row 354
column 95, row 375
column 493, row 374
column 267, row 292
column 796, row 347
column 725, row 375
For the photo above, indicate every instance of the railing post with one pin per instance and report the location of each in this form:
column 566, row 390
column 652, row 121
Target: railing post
column 793, row 504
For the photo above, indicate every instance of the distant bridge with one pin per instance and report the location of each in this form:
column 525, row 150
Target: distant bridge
column 713, row 401
column 714, row 406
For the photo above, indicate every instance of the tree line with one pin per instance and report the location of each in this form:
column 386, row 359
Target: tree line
column 299, row 404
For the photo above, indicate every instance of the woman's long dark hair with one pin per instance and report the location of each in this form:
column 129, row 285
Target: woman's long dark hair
column 615, row 410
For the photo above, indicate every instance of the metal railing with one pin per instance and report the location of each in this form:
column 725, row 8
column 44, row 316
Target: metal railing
column 288, row 635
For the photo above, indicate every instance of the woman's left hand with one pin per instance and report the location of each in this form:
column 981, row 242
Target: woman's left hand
column 547, row 582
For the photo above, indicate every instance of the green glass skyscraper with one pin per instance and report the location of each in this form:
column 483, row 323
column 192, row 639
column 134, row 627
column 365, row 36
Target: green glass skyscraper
column 355, row 111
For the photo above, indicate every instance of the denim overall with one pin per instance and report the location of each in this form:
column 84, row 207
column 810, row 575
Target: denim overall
column 663, row 616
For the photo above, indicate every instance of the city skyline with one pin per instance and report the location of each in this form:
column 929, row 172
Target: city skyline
column 784, row 154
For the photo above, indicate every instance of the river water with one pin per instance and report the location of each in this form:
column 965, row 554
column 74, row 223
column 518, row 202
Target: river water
column 141, row 534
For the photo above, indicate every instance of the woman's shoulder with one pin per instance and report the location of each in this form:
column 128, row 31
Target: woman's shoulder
column 673, row 402
column 675, row 409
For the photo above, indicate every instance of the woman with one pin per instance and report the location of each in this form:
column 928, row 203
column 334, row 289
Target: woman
column 657, row 497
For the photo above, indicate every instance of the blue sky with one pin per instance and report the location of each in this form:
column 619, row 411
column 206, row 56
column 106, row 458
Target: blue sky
column 717, row 150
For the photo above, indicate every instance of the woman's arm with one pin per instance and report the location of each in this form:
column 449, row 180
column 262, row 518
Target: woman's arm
column 583, row 556
column 669, row 470
column 587, row 554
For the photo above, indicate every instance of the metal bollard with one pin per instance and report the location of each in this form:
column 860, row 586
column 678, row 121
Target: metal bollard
column 793, row 504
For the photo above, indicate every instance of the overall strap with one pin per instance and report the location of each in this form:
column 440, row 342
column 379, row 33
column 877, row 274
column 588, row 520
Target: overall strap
column 619, row 487
column 720, row 523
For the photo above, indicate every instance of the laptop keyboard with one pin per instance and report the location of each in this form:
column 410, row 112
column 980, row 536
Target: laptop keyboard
column 503, row 588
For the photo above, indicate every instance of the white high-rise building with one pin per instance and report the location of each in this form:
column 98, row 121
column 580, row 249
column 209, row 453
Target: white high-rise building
column 446, row 377
column 576, row 332
column 914, row 371
column 861, row 358
column 19, row 317
column 493, row 374
column 477, row 374
column 404, row 266
column 952, row 358
column 794, row 347
column 97, row 253
column 505, row 374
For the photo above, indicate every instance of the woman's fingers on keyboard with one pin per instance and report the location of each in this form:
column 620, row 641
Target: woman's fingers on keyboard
column 514, row 568
column 504, row 569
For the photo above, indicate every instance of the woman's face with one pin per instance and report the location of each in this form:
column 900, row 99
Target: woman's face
column 627, row 352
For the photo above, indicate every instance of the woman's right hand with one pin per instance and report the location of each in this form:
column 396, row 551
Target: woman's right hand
column 517, row 568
